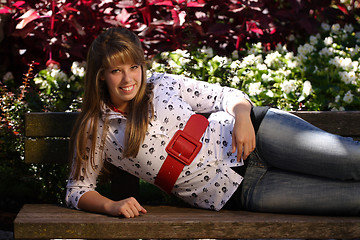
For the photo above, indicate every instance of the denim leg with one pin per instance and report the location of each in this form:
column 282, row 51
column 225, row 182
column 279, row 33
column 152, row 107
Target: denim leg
column 287, row 142
column 288, row 192
column 298, row 168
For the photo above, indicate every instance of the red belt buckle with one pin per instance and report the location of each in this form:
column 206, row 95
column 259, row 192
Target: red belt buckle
column 182, row 149
column 191, row 149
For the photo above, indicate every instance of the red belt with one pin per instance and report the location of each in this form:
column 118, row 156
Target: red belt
column 182, row 149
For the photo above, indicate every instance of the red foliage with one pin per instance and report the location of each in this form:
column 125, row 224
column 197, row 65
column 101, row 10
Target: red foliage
column 63, row 30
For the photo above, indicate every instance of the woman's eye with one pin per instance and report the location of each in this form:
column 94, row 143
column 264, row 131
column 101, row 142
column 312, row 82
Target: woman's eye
column 135, row 67
column 115, row 71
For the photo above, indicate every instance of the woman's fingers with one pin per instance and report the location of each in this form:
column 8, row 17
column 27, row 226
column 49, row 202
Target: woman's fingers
column 128, row 207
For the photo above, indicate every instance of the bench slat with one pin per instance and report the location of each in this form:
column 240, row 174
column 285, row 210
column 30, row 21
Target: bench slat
column 59, row 124
column 344, row 123
column 52, row 221
column 49, row 124
column 46, row 151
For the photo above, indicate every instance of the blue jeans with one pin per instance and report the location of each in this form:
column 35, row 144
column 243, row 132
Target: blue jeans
column 298, row 168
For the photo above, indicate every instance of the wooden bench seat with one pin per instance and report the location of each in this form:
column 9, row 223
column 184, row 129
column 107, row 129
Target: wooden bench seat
column 53, row 221
column 47, row 139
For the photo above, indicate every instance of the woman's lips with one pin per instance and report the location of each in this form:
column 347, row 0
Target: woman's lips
column 127, row 88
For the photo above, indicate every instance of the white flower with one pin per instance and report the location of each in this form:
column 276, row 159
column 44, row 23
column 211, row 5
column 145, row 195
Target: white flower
column 354, row 65
column 293, row 64
column 354, row 51
column 335, row 28
column 288, row 86
column 325, row 26
column 254, row 88
column 345, row 63
column 235, row 64
column 235, row 80
column 305, row 49
column 53, row 40
column 58, row 75
column 235, row 54
column 266, row 77
column 280, row 48
column 8, row 76
column 39, row 81
column 307, row 88
column 285, row 72
column 289, row 55
column 200, row 14
column 337, row 98
column 328, row 41
column 165, row 55
column 208, row 51
column 348, row 77
column 291, row 37
column 248, row 61
column 184, row 61
column 252, row 51
column 271, row 58
column 344, row 36
column 326, row 51
column 173, row 64
column 156, row 65
column 261, row 67
column 257, row 46
column 78, row 69
column 349, row 97
column 270, row 93
column 182, row 53
column 222, row 60
column 313, row 40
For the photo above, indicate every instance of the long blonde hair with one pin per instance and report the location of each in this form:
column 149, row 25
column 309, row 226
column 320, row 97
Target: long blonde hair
column 114, row 45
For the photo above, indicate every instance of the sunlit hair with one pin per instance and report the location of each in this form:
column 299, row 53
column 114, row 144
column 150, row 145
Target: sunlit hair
column 115, row 46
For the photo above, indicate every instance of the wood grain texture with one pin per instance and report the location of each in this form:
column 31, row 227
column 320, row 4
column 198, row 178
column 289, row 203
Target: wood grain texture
column 345, row 123
column 49, row 124
column 52, row 221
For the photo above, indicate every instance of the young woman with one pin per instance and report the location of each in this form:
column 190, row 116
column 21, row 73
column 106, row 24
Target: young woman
column 242, row 156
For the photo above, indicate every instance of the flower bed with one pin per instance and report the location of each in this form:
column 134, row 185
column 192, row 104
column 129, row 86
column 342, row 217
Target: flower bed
column 322, row 75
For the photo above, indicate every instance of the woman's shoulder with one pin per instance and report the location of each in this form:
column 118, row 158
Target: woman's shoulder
column 157, row 77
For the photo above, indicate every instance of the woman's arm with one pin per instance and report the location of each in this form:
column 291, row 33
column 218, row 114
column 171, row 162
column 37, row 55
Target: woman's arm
column 94, row 202
column 206, row 97
column 243, row 136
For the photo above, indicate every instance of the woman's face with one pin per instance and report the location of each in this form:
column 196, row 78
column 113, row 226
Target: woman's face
column 123, row 82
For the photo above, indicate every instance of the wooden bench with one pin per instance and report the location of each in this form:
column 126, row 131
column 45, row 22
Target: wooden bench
column 45, row 144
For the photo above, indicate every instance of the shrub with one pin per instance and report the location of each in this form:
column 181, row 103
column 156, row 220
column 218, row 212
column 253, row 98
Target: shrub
column 63, row 30
column 51, row 90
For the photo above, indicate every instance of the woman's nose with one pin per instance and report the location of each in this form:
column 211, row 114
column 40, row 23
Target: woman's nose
column 125, row 77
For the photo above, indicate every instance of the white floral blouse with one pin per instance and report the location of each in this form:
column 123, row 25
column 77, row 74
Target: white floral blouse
column 208, row 182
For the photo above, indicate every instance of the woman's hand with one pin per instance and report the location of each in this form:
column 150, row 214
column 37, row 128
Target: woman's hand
column 128, row 207
column 94, row 202
column 243, row 137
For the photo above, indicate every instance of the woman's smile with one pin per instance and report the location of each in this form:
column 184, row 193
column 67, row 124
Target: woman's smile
column 128, row 89
column 123, row 82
